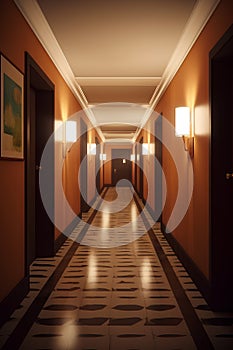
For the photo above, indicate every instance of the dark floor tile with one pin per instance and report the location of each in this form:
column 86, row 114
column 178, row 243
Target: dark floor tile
column 58, row 307
column 46, row 335
column 94, row 321
column 131, row 335
column 160, row 307
column 166, row 321
column 93, row 307
column 218, row 321
column 128, row 307
column 90, row 335
column 128, row 321
column 171, row 335
column 203, row 307
column 68, row 289
column 52, row 321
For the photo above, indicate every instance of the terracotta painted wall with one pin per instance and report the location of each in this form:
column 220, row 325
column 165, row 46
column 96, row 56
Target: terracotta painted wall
column 190, row 87
column 14, row 41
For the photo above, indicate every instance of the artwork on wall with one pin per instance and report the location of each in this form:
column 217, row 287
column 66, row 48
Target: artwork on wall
column 12, row 116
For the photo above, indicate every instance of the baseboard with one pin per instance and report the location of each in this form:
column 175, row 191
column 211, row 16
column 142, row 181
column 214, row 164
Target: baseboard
column 197, row 276
column 13, row 300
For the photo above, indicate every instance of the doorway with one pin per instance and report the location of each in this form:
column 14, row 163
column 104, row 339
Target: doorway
column 39, row 114
column 158, row 168
column 84, row 207
column 97, row 166
column 121, row 165
column 221, row 173
column 141, row 170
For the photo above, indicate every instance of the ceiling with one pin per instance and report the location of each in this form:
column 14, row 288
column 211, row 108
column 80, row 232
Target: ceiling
column 117, row 56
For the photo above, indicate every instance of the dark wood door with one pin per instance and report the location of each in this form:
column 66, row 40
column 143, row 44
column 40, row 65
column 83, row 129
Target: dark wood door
column 121, row 165
column 39, row 102
column 84, row 207
column 97, row 165
column 158, row 168
column 221, row 173
column 141, row 169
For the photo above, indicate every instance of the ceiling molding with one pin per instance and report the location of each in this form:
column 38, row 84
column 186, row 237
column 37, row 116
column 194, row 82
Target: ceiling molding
column 197, row 21
column 36, row 20
column 118, row 81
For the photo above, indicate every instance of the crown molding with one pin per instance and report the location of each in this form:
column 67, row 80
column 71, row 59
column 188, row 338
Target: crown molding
column 38, row 23
column 197, row 21
column 36, row 20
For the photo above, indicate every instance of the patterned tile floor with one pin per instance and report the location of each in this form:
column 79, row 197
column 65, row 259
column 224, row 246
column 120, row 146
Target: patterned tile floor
column 120, row 297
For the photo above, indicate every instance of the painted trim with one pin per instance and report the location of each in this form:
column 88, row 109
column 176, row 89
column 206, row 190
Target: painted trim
column 37, row 21
column 13, row 299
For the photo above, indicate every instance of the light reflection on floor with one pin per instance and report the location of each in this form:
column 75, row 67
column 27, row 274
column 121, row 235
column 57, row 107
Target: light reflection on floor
column 115, row 298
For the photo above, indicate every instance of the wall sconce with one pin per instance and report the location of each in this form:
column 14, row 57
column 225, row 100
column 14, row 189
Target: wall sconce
column 132, row 157
column 91, row 148
column 58, row 131
column 103, row 156
column 183, row 128
column 70, row 135
column 145, row 149
column 71, row 131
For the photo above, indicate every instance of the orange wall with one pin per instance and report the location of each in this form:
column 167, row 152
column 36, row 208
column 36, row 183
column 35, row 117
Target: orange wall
column 16, row 37
column 190, row 87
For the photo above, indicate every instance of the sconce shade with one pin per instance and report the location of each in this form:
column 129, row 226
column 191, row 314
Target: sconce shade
column 182, row 121
column 103, row 156
column 132, row 157
column 91, row 148
column 71, row 131
column 145, row 149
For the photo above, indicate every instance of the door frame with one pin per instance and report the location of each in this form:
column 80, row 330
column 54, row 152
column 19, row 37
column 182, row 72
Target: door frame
column 38, row 80
column 219, row 293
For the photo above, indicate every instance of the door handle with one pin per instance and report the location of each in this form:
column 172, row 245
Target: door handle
column 229, row 176
column 38, row 167
column 115, row 170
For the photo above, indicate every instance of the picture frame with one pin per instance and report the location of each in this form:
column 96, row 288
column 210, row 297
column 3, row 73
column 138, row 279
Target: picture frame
column 12, row 111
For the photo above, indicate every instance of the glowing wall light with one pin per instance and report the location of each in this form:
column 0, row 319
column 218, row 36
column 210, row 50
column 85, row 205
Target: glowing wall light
column 91, row 148
column 71, row 131
column 145, row 149
column 132, row 157
column 182, row 121
column 58, row 131
column 103, row 156
column 183, row 128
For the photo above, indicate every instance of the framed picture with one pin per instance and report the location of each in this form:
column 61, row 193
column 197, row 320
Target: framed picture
column 12, row 116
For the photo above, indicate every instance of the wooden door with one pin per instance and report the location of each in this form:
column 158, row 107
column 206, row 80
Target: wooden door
column 121, row 165
column 39, row 93
column 84, row 207
column 221, row 173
